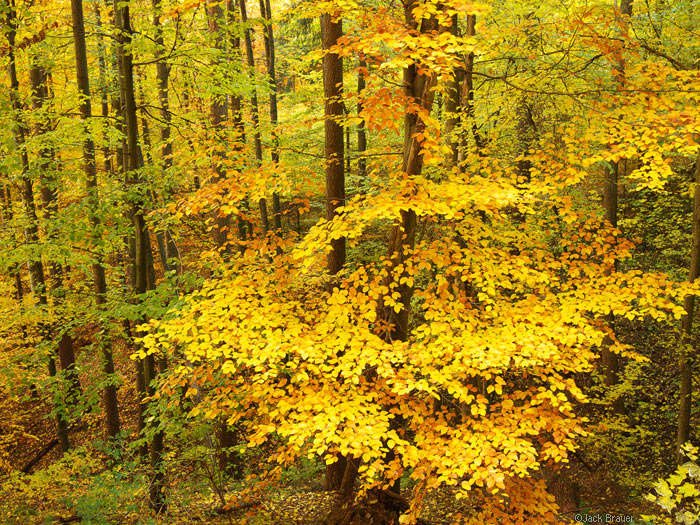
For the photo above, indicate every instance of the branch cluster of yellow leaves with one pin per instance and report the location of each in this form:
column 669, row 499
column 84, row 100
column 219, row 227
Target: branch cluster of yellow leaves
column 482, row 391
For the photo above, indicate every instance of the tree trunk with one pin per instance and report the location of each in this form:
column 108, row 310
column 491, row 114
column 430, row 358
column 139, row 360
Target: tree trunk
column 688, row 356
column 218, row 115
column 418, row 87
column 36, row 268
column 331, row 31
column 262, row 203
column 269, row 41
column 236, row 107
column 14, row 270
column 610, row 362
column 142, row 283
column 109, row 393
column 361, row 130
column 453, row 101
column 479, row 139
column 334, row 148
column 104, row 93
column 49, row 197
column 166, row 152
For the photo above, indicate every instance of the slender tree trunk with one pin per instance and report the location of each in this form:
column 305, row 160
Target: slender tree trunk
column 166, row 152
column 331, row 31
column 153, row 197
column 479, row 139
column 269, row 40
column 31, row 234
column 49, row 197
column 14, row 270
column 218, row 116
column 610, row 361
column 262, row 203
column 688, row 354
column 419, row 88
column 142, row 244
column 104, row 92
column 109, row 393
column 361, row 130
column 453, row 101
column 236, row 107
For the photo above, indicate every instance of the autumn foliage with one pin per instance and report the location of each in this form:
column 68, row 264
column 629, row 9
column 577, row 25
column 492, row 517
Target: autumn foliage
column 458, row 348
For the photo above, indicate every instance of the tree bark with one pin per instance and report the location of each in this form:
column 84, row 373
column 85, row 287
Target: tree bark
column 419, row 88
column 109, row 393
column 166, row 152
column 36, row 267
column 104, row 92
column 236, row 107
column 142, row 244
column 688, row 354
column 610, row 362
column 269, row 41
column 453, row 101
column 218, row 115
column 361, row 130
column 262, row 203
column 14, row 271
column 49, row 197
column 479, row 139
column 331, row 31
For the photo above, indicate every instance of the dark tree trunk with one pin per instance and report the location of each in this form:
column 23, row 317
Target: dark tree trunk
column 687, row 352
column 14, row 270
column 104, row 92
column 109, row 394
column 453, row 102
column 31, row 234
column 236, row 107
column 361, row 130
column 166, row 152
column 418, row 87
column 142, row 283
column 262, row 203
column 479, row 139
column 218, row 115
column 331, row 31
column 610, row 362
column 49, row 197
column 269, row 40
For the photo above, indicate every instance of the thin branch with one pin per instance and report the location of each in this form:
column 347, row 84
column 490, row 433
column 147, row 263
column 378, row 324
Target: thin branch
column 673, row 61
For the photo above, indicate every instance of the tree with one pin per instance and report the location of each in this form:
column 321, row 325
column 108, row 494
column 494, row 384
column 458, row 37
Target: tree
column 142, row 245
column 331, row 31
column 250, row 60
column 269, row 39
column 687, row 358
column 31, row 230
column 109, row 395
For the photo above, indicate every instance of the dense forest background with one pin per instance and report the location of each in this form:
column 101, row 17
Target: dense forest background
column 349, row 262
